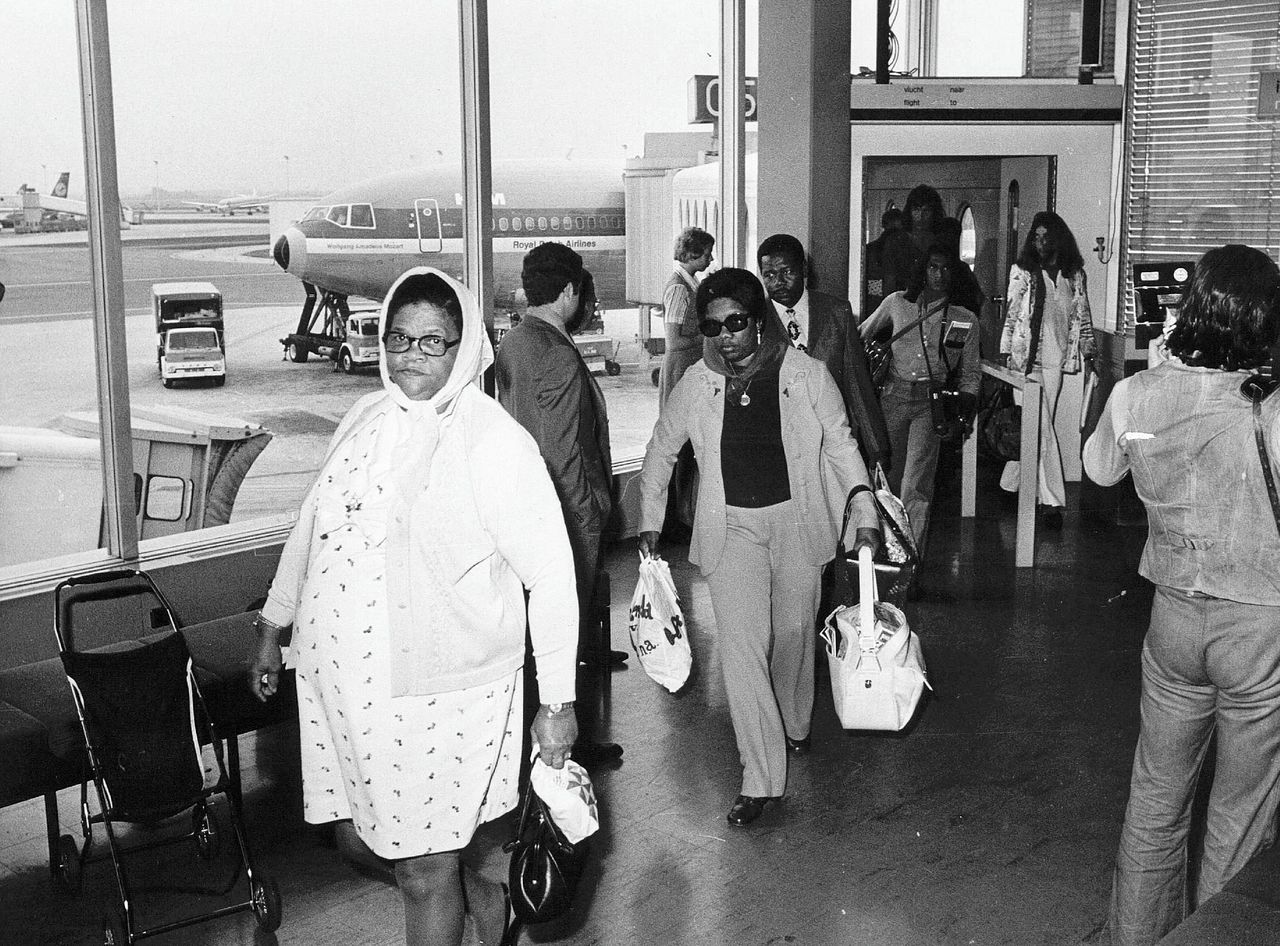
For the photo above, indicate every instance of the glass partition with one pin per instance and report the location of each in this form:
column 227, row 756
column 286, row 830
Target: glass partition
column 51, row 483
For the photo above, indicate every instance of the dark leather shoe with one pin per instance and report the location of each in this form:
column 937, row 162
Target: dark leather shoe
column 798, row 746
column 746, row 809
column 618, row 659
column 596, row 753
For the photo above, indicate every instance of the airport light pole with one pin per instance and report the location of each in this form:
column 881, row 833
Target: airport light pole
column 44, row 178
column 286, row 175
column 155, row 199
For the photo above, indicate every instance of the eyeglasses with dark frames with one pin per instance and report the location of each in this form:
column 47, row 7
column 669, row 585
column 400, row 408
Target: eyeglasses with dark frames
column 712, row 328
column 397, row 343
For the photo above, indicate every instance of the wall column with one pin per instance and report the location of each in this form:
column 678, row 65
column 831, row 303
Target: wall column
column 804, row 145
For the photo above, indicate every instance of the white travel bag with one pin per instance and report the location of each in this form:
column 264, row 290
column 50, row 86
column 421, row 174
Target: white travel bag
column 877, row 667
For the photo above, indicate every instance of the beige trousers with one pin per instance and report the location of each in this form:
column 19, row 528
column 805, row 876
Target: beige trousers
column 765, row 597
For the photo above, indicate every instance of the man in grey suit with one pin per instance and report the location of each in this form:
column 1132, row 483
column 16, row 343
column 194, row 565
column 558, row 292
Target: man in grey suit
column 545, row 385
column 823, row 326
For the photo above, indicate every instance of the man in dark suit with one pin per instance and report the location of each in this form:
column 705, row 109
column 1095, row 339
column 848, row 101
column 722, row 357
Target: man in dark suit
column 545, row 385
column 823, row 326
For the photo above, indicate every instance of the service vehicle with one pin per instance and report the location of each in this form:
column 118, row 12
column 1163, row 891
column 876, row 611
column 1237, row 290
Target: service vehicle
column 190, row 338
column 347, row 337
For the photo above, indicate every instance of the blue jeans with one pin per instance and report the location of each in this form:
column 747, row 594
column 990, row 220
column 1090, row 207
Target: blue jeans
column 1207, row 664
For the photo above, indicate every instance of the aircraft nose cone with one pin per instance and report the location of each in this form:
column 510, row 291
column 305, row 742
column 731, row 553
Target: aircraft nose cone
column 281, row 252
column 290, row 252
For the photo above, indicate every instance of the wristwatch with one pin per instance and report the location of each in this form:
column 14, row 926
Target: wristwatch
column 554, row 709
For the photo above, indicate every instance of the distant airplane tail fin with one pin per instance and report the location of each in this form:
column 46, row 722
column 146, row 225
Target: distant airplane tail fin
column 60, row 188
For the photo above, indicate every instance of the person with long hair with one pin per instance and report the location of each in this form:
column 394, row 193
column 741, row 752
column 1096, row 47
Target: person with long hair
column 405, row 582
column 904, row 251
column 1193, row 431
column 1048, row 332
column 769, row 429
column 926, row 354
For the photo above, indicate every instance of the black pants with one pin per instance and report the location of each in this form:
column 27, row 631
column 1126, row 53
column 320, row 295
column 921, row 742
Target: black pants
column 593, row 646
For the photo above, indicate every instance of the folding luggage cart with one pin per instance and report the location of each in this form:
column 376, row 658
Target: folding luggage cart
column 152, row 752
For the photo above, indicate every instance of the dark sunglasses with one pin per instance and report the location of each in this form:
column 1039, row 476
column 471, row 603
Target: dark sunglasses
column 734, row 323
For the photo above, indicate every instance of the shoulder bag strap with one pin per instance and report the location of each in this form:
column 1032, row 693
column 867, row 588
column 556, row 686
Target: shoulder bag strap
column 910, row 325
column 1266, row 462
column 924, row 345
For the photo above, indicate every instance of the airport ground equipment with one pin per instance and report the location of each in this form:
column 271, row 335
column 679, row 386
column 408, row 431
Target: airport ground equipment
column 154, row 754
column 190, row 337
column 328, row 327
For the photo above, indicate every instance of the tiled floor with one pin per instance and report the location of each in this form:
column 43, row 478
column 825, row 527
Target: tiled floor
column 992, row 820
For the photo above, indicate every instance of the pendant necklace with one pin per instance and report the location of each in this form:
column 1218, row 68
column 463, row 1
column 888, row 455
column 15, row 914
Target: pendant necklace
column 744, row 398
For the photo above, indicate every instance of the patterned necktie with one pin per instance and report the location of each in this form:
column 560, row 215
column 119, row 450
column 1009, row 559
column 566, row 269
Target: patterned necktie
column 793, row 329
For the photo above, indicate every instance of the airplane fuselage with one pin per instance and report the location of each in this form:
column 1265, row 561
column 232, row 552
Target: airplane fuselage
column 359, row 240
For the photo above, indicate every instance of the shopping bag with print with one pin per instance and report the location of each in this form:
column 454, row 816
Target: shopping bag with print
column 657, row 626
column 569, row 796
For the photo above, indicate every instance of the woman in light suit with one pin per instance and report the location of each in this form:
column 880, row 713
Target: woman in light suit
column 769, row 430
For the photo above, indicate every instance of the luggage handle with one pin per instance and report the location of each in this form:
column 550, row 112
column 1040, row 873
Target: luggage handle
column 866, row 593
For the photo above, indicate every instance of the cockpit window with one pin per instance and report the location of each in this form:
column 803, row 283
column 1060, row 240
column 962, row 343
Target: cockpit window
column 338, row 215
column 361, row 215
column 315, row 213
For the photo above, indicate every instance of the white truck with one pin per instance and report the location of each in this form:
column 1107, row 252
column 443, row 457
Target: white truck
column 190, row 338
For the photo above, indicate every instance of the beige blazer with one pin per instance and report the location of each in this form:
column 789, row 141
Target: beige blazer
column 823, row 463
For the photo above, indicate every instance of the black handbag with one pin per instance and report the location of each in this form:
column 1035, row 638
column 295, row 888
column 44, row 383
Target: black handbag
column 999, row 425
column 895, row 562
column 545, row 868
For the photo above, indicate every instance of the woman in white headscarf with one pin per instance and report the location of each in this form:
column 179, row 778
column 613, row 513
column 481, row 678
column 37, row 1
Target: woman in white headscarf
column 404, row 581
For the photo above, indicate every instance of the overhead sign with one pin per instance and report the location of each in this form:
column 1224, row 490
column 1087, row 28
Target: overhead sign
column 704, row 99
column 920, row 100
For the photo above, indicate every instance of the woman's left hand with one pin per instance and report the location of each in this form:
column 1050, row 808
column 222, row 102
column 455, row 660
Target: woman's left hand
column 555, row 734
column 866, row 538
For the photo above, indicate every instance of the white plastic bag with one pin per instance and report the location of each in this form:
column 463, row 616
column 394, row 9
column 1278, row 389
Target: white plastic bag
column 657, row 626
column 569, row 796
column 877, row 667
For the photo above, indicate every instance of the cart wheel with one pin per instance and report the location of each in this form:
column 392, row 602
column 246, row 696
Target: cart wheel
column 167, row 382
column 296, row 353
column 69, row 873
column 266, row 903
column 657, row 373
column 612, row 368
column 115, row 931
column 347, row 363
column 204, row 830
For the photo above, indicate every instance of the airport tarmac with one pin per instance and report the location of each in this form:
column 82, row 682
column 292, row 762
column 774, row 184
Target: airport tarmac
column 46, row 319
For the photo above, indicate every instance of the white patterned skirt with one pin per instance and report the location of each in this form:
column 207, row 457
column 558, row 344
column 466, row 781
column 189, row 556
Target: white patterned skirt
column 415, row 774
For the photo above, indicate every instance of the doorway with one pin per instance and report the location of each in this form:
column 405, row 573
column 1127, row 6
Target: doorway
column 976, row 191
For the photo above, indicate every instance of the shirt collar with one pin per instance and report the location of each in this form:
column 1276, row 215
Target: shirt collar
column 687, row 277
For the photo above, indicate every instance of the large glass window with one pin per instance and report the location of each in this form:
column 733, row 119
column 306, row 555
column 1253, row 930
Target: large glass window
column 51, row 484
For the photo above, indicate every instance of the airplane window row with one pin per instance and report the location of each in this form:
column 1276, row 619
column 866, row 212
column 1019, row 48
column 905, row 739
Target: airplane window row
column 529, row 224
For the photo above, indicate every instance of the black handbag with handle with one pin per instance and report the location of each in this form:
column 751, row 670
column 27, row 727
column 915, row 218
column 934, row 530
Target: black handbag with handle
column 895, row 562
column 545, row 868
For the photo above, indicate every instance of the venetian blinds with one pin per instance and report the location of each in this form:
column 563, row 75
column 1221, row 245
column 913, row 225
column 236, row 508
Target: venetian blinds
column 1201, row 166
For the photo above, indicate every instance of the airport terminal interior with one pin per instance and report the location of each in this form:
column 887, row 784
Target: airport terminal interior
column 210, row 336
column 992, row 820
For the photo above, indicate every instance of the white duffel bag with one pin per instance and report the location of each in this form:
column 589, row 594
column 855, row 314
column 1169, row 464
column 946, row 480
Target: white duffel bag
column 876, row 664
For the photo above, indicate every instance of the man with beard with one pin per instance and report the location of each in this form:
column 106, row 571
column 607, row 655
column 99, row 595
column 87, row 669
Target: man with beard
column 546, row 386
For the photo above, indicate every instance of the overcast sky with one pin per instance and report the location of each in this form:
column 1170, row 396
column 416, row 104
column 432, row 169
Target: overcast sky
column 211, row 96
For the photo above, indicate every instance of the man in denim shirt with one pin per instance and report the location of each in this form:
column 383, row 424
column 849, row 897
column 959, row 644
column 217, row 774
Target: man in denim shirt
column 1211, row 659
